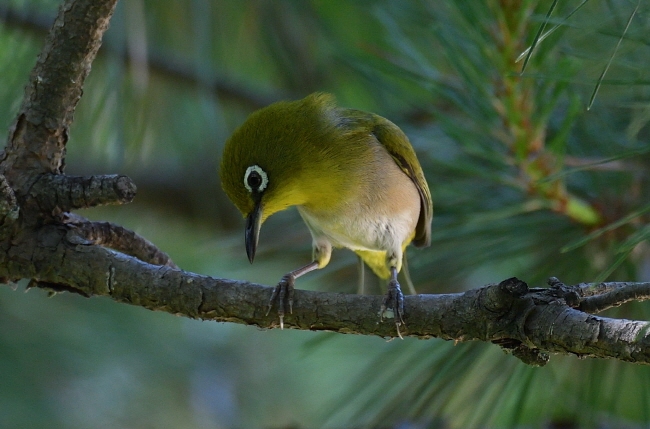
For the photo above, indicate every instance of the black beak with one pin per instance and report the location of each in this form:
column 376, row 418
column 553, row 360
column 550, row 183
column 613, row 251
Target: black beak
column 252, row 233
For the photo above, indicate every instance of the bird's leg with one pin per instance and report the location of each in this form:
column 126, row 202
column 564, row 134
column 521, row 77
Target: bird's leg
column 407, row 276
column 361, row 288
column 285, row 289
column 394, row 300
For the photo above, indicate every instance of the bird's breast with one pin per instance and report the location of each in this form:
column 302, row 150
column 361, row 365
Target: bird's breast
column 381, row 213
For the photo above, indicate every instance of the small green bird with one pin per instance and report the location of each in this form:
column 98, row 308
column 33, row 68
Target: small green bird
column 353, row 176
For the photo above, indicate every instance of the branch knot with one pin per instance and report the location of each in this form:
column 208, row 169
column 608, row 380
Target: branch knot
column 500, row 298
column 570, row 294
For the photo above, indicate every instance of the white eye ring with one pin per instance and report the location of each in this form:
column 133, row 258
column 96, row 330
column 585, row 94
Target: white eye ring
column 265, row 179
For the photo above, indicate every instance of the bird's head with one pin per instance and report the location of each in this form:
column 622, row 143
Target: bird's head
column 265, row 160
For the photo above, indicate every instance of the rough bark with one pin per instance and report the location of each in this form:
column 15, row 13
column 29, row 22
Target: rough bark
column 530, row 323
column 40, row 240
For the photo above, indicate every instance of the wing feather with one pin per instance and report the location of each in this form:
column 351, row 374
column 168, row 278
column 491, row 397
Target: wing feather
column 399, row 147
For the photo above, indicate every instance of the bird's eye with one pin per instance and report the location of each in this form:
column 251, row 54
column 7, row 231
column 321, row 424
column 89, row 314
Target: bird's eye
column 255, row 179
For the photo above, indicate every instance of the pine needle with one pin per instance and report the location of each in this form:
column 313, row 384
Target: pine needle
column 593, row 165
column 538, row 36
column 611, row 58
column 549, row 32
column 622, row 221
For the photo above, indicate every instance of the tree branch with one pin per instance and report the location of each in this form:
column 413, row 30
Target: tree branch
column 40, row 132
column 8, row 205
column 119, row 238
column 596, row 297
column 33, row 184
column 613, row 295
column 61, row 193
column 530, row 323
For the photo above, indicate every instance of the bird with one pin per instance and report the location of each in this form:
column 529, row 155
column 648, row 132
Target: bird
column 353, row 176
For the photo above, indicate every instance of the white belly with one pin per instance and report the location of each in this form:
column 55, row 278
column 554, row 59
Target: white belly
column 359, row 229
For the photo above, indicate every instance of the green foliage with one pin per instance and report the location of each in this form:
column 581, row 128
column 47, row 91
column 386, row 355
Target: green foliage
column 525, row 180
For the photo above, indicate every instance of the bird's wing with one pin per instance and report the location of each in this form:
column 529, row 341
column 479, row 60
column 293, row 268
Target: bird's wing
column 399, row 147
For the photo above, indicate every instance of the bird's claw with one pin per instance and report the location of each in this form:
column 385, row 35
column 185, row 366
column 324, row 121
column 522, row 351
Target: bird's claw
column 394, row 300
column 283, row 292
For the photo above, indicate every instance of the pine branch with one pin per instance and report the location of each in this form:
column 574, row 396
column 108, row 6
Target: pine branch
column 40, row 132
column 530, row 323
column 58, row 192
column 118, row 238
column 8, row 205
column 613, row 295
column 34, row 189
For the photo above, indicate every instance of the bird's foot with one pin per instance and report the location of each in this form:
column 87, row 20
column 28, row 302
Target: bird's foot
column 283, row 293
column 394, row 300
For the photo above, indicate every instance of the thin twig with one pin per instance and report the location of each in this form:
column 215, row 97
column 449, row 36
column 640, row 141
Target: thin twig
column 75, row 192
column 123, row 240
column 612, row 295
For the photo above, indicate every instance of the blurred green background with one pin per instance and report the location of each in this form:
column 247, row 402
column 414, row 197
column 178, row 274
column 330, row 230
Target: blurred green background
column 526, row 182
